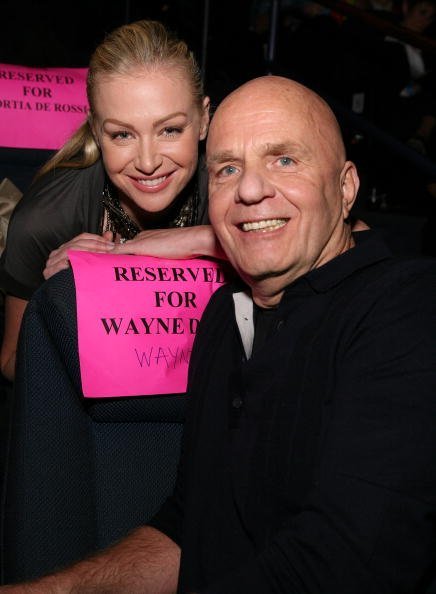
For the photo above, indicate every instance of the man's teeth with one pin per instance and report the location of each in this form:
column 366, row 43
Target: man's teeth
column 267, row 225
column 152, row 182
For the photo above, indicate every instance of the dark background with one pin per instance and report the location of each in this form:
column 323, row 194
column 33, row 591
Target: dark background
column 231, row 49
column 52, row 33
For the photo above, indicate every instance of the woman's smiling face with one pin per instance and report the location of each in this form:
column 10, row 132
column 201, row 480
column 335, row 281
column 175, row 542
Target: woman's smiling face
column 148, row 126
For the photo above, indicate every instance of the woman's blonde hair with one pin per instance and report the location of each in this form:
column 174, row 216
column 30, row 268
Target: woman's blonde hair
column 140, row 44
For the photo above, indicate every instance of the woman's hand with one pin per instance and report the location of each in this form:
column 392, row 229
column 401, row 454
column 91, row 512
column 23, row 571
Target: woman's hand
column 88, row 242
column 179, row 242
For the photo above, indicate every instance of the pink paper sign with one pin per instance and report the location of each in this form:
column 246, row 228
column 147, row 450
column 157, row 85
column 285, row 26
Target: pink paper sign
column 137, row 318
column 40, row 107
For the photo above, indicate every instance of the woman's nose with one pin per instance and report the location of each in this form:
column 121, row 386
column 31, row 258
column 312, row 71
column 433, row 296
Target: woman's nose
column 148, row 158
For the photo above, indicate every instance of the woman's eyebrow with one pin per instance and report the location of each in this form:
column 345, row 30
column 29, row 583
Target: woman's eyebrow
column 169, row 117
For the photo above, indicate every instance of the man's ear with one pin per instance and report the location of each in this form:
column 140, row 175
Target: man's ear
column 205, row 118
column 349, row 187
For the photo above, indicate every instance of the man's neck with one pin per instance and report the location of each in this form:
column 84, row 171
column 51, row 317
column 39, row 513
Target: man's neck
column 268, row 292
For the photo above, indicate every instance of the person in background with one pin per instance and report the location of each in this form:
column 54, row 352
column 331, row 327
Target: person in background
column 412, row 114
column 309, row 445
column 131, row 170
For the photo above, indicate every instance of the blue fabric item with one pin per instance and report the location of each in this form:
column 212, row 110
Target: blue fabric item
column 80, row 473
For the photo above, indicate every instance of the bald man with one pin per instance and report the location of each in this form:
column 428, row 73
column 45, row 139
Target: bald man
column 280, row 188
column 309, row 453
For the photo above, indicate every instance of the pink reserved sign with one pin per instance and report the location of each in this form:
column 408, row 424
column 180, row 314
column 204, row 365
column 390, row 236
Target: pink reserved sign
column 137, row 318
column 40, row 107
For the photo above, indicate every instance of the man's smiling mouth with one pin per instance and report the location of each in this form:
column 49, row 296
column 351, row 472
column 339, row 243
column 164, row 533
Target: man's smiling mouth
column 265, row 225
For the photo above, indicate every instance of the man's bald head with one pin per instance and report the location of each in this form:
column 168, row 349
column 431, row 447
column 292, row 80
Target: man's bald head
column 293, row 97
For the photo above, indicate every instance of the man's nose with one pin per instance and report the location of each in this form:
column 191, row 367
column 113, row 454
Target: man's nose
column 148, row 157
column 254, row 186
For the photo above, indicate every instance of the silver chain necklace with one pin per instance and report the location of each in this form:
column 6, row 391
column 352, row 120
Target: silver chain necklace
column 118, row 221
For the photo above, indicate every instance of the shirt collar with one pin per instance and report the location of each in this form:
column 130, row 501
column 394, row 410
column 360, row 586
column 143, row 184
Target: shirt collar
column 369, row 248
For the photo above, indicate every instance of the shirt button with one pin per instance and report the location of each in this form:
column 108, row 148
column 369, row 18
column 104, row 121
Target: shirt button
column 237, row 402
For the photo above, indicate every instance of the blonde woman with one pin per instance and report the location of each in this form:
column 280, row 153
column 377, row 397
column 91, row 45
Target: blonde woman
column 130, row 171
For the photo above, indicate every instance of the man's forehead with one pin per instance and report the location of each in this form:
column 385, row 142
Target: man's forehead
column 262, row 131
column 226, row 151
column 259, row 109
column 262, row 122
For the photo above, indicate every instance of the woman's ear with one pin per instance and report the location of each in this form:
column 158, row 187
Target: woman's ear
column 205, row 117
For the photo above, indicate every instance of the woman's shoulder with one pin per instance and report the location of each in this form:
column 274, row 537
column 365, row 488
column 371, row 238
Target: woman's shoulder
column 65, row 201
column 56, row 208
column 76, row 184
column 64, row 195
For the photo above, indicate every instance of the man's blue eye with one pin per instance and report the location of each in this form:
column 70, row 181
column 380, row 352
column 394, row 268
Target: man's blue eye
column 285, row 161
column 228, row 170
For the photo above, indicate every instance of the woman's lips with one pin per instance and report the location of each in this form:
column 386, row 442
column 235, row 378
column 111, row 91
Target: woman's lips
column 152, row 185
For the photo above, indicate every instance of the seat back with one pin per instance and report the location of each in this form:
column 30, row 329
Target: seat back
column 80, row 472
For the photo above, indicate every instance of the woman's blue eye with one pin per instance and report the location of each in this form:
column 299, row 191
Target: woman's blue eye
column 122, row 135
column 172, row 131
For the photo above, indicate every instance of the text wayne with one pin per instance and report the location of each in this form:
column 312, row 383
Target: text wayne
column 186, row 299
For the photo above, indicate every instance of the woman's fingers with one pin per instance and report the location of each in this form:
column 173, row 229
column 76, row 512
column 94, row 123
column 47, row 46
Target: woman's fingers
column 181, row 242
column 88, row 242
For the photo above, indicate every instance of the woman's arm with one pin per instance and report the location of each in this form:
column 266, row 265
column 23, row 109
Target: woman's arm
column 180, row 242
column 14, row 310
column 87, row 242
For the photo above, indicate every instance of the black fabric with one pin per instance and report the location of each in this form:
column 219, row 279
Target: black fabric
column 80, row 473
column 55, row 209
column 310, row 467
column 265, row 324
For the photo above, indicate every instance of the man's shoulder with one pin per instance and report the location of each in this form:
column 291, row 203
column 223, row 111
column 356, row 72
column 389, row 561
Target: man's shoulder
column 371, row 265
column 407, row 270
column 393, row 278
column 398, row 290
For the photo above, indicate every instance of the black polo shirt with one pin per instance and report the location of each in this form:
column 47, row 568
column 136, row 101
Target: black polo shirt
column 309, row 466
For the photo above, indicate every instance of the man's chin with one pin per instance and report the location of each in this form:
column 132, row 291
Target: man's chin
column 257, row 275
